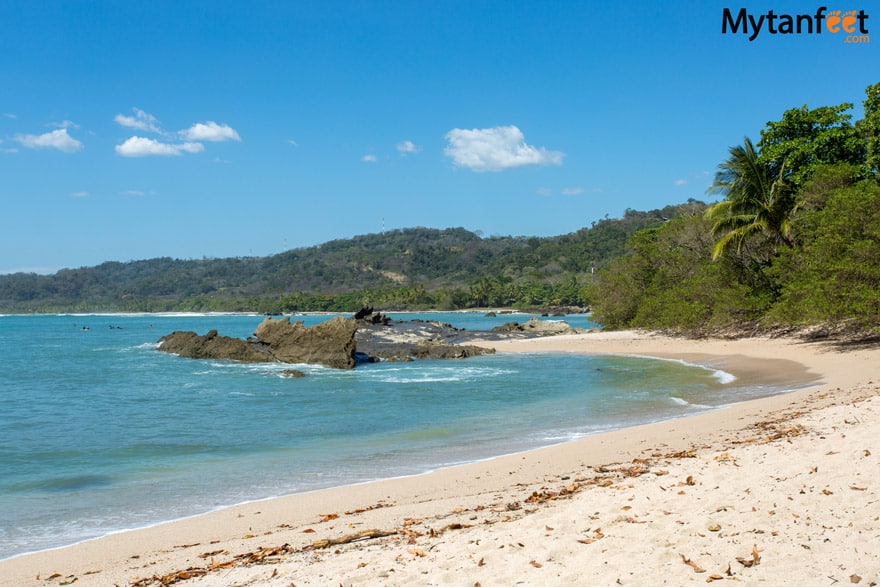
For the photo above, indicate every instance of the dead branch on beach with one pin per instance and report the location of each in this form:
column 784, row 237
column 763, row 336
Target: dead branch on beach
column 362, row 535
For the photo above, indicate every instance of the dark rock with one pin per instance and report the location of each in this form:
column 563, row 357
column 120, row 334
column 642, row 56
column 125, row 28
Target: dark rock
column 292, row 374
column 444, row 350
column 363, row 313
column 421, row 339
column 329, row 343
column 491, row 314
column 368, row 316
column 211, row 346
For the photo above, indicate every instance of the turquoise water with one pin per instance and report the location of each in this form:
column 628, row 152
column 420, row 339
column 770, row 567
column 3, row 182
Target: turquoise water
column 99, row 432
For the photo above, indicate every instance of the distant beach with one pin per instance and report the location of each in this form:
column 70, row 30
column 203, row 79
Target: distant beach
column 777, row 490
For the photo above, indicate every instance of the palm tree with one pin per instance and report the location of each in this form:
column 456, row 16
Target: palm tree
column 755, row 201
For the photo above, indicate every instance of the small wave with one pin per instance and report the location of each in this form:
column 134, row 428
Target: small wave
column 561, row 437
column 683, row 402
column 446, row 374
column 147, row 345
column 723, row 376
column 229, row 365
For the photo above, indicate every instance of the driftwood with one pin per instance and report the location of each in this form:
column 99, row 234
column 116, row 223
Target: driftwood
column 362, row 535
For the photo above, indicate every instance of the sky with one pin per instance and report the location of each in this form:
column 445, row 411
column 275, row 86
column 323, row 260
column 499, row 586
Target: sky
column 135, row 130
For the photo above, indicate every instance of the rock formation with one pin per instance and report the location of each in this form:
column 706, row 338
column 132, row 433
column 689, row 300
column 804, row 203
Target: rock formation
column 539, row 327
column 401, row 340
column 329, row 343
column 340, row 342
column 211, row 346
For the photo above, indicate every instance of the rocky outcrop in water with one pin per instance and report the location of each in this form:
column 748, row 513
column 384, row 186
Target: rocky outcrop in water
column 401, row 340
column 210, row 346
column 368, row 316
column 340, row 342
column 329, row 343
column 539, row 327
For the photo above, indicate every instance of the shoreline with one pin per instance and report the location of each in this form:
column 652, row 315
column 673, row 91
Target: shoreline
column 466, row 492
column 439, row 468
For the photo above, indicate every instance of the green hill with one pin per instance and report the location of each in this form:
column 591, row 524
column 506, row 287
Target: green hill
column 413, row 267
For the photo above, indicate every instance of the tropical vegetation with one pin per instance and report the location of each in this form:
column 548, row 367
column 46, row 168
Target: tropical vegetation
column 415, row 268
column 794, row 241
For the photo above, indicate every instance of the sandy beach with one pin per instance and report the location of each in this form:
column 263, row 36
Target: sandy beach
column 778, row 491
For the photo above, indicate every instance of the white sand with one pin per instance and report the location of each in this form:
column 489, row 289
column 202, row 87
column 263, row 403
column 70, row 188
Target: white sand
column 778, row 491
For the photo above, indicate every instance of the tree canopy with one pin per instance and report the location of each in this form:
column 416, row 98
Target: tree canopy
column 407, row 268
column 759, row 200
column 794, row 242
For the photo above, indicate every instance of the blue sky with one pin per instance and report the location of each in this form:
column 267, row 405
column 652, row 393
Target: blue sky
column 133, row 130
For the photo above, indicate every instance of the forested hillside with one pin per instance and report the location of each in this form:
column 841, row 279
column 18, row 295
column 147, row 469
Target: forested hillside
column 794, row 240
column 410, row 268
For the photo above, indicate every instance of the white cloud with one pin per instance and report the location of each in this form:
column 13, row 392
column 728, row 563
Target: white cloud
column 144, row 147
column 80, row 194
column 572, row 191
column 544, row 192
column 496, row 149
column 57, row 139
column 140, row 121
column 407, row 147
column 369, row 159
column 10, row 115
column 210, row 131
column 292, row 142
column 680, row 182
column 192, row 137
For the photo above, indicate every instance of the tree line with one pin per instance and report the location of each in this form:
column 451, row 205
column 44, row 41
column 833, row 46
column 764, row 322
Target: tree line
column 793, row 241
column 414, row 268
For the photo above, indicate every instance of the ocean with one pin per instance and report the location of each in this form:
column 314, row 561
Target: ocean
column 100, row 432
